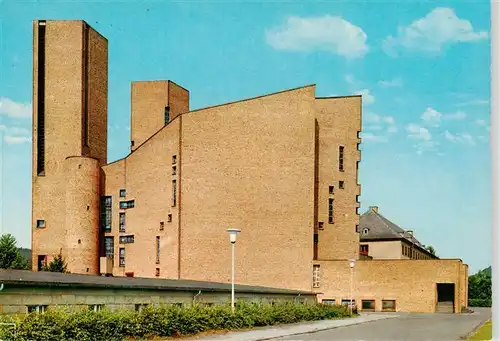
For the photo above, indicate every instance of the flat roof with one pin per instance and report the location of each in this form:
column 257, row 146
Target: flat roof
column 56, row 279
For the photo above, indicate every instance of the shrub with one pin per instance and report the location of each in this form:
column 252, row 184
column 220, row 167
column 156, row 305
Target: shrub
column 480, row 302
column 162, row 321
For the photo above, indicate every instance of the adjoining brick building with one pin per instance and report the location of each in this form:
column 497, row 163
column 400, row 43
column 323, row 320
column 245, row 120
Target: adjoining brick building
column 282, row 167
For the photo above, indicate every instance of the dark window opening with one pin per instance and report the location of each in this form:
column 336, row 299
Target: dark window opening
column 315, row 240
column 85, row 85
column 174, row 159
column 169, row 218
column 157, row 272
column 127, row 204
column 320, row 225
column 106, row 213
column 174, row 170
column 122, row 221
column 132, row 143
column 162, row 225
column 341, row 158
column 368, row 305
column 167, row 114
column 330, row 211
column 363, row 249
column 122, row 256
column 388, row 305
column 40, row 224
column 330, row 189
column 341, row 184
column 109, row 247
column 123, row 193
column 42, row 261
column 157, row 249
column 174, row 193
column 126, row 239
column 41, row 100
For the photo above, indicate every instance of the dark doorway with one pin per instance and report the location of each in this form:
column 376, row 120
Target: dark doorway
column 42, row 260
column 445, row 298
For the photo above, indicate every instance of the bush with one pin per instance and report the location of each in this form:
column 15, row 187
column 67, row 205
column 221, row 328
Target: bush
column 480, row 302
column 162, row 321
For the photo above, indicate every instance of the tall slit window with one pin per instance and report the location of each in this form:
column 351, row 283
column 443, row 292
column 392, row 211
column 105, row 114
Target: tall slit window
column 109, row 247
column 122, row 256
column 122, row 221
column 106, row 212
column 41, row 100
column 174, row 192
column 341, row 158
column 157, row 249
column 85, row 77
column 167, row 114
column 330, row 211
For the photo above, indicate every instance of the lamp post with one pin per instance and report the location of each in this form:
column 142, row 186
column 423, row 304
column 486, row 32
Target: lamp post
column 352, row 262
column 232, row 238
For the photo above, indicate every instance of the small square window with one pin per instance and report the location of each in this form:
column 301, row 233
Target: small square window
column 174, row 170
column 162, row 225
column 132, row 143
column 40, row 224
column 123, row 193
column 169, row 218
column 320, row 225
column 174, row 159
column 157, row 272
column 330, row 189
column 341, row 184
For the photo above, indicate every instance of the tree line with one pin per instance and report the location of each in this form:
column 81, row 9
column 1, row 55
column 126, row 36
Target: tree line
column 12, row 258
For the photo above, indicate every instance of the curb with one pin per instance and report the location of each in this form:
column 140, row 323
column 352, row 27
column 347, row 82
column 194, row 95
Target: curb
column 468, row 335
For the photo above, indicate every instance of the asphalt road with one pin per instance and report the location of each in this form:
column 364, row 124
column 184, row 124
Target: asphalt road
column 417, row 327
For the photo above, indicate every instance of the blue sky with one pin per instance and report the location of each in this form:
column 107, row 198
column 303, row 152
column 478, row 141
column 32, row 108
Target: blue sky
column 423, row 68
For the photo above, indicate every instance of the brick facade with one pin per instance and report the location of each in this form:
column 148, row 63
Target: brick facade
column 283, row 168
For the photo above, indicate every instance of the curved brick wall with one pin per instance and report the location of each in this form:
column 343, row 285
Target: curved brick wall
column 82, row 175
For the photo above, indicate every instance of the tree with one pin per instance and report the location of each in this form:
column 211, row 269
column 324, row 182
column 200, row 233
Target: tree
column 10, row 256
column 431, row 250
column 57, row 265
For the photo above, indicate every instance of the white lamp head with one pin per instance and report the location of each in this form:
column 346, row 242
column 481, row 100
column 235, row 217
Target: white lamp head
column 232, row 235
column 352, row 262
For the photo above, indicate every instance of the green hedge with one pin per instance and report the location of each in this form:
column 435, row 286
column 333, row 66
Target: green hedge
column 479, row 302
column 163, row 321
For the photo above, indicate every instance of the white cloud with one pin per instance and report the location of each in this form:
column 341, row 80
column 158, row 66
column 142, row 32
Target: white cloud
column 14, row 109
column 417, row 132
column 464, row 138
column 474, row 102
column 392, row 129
column 426, row 146
column 395, row 82
column 373, row 137
column 327, row 33
column 439, row 28
column 16, row 139
column 459, row 115
column 367, row 97
column 378, row 122
column 431, row 117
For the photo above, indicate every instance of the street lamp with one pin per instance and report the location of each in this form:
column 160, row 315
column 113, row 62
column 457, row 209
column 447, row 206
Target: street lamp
column 232, row 238
column 352, row 263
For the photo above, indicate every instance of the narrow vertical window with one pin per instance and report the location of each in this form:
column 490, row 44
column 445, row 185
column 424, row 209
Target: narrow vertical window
column 106, row 210
column 109, row 247
column 167, row 114
column 315, row 240
column 341, row 158
column 330, row 189
column 122, row 256
column 157, row 249
column 41, row 100
column 85, row 106
column 174, row 159
column 174, row 192
column 122, row 221
column 316, row 276
column 330, row 211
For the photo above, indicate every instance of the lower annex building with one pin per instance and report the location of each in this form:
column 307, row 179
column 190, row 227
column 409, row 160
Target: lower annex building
column 282, row 167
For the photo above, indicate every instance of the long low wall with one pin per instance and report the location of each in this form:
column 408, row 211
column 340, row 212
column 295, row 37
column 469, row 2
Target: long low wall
column 412, row 284
column 25, row 291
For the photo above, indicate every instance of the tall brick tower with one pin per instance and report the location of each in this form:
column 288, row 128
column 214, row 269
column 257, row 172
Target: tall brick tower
column 70, row 82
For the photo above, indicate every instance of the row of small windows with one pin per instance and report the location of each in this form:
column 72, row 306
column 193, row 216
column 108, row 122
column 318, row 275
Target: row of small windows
column 366, row 305
column 92, row 307
column 413, row 253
